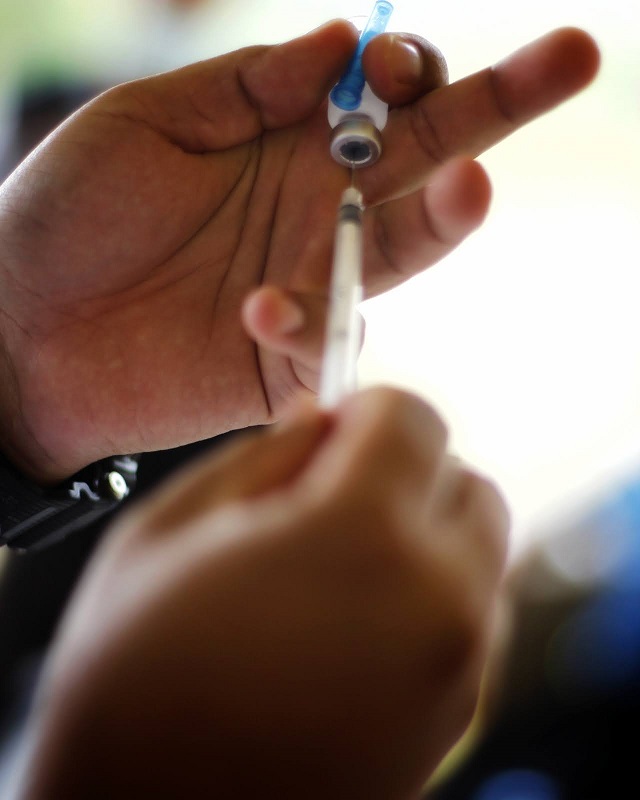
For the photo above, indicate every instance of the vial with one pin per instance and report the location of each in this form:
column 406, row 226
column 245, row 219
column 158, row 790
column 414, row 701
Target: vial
column 356, row 115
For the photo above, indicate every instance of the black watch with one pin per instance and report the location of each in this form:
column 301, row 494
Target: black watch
column 33, row 517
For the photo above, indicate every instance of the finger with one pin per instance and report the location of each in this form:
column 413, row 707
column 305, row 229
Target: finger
column 400, row 67
column 290, row 324
column 413, row 232
column 258, row 464
column 476, row 112
column 286, row 322
column 231, row 99
column 484, row 507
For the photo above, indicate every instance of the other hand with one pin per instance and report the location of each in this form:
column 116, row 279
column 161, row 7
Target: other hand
column 305, row 615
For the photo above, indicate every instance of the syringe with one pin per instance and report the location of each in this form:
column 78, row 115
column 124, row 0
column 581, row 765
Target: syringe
column 344, row 324
column 357, row 117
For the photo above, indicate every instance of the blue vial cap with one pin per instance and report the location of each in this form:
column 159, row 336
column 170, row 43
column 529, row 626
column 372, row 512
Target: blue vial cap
column 347, row 93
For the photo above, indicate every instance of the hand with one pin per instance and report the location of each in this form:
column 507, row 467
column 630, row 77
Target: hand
column 306, row 615
column 132, row 238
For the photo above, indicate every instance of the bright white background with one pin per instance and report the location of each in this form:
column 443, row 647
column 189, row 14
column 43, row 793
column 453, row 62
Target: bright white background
column 526, row 338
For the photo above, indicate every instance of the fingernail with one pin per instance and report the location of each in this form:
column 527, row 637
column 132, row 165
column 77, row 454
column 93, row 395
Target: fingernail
column 404, row 60
column 291, row 316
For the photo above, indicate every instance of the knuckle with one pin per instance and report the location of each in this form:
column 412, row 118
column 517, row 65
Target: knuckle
column 385, row 239
column 484, row 505
column 435, row 64
column 397, row 418
column 426, row 134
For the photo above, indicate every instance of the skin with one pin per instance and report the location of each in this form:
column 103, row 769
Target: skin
column 165, row 253
column 304, row 615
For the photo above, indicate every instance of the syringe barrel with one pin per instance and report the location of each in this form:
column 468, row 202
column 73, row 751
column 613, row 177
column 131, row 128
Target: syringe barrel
column 344, row 324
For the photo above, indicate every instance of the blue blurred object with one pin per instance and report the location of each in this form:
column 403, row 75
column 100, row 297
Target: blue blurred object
column 597, row 649
column 618, row 520
column 519, row 784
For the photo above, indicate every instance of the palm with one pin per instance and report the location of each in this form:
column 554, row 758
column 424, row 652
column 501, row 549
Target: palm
column 157, row 249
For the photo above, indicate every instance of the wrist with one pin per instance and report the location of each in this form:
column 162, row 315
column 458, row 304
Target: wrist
column 14, row 441
column 42, row 500
column 19, row 443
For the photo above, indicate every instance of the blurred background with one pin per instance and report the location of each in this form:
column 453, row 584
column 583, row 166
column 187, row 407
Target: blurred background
column 526, row 339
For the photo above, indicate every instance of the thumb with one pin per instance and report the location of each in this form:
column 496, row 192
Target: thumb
column 229, row 100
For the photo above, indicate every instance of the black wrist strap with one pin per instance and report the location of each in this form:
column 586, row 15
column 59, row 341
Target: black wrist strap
column 33, row 517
